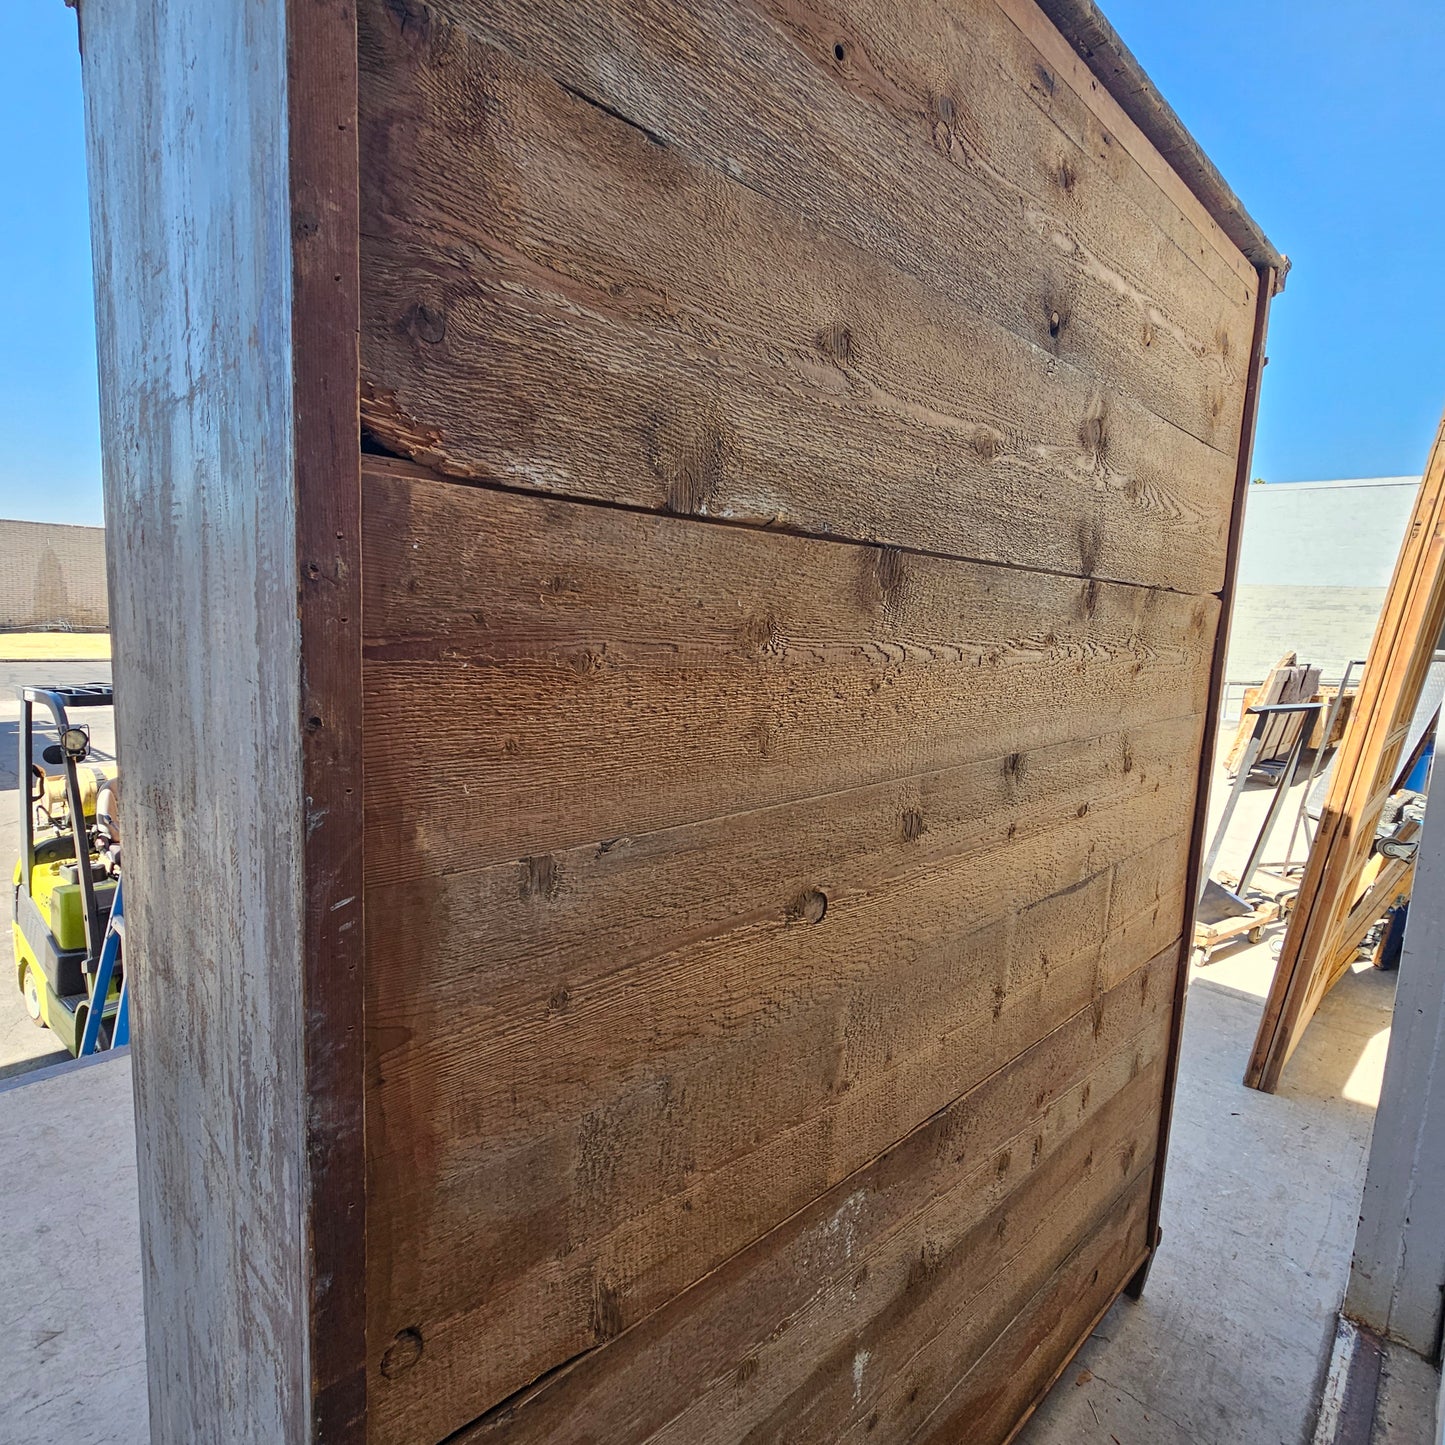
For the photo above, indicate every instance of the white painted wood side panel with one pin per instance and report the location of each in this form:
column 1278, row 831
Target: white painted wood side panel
column 187, row 148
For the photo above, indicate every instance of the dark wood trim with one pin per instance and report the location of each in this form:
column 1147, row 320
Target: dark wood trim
column 1073, row 1354
column 322, row 102
column 1213, row 707
column 1356, row 1424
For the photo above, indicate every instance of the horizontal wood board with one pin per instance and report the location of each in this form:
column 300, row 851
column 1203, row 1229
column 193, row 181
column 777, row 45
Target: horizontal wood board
column 623, row 1057
column 788, row 623
column 556, row 301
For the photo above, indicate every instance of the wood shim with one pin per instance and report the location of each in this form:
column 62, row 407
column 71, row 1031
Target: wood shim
column 1322, row 935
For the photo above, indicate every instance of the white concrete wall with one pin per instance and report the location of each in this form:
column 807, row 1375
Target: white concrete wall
column 52, row 576
column 1314, row 564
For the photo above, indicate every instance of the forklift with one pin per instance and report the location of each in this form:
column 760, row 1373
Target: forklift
column 68, row 918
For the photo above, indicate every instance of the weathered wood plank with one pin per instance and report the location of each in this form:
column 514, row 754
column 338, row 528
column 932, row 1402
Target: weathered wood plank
column 1109, row 129
column 538, row 938
column 833, row 1037
column 733, row 86
column 966, row 1285
column 226, row 342
column 524, row 638
column 995, row 1396
column 972, row 70
column 984, row 1186
column 676, row 341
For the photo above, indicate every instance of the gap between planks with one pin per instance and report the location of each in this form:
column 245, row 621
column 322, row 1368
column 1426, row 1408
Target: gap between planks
column 391, row 465
column 549, row 1379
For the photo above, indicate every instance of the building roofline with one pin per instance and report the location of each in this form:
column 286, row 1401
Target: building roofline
column 1343, row 482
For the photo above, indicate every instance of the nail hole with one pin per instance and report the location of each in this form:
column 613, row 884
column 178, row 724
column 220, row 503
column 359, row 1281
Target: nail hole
column 840, row 51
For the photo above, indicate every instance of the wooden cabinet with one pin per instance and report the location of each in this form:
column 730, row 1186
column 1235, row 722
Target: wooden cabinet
column 668, row 566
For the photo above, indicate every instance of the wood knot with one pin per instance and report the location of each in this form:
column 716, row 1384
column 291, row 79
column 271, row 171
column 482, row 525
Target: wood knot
column 1094, row 433
column 606, row 1314
column 690, row 464
column 402, row 1353
column 587, row 663
column 425, row 323
column 762, row 633
column 835, row 341
column 412, row 19
column 888, row 570
column 1091, row 544
column 809, row 906
column 927, row 1264
column 540, row 878
column 987, row 443
column 560, row 1000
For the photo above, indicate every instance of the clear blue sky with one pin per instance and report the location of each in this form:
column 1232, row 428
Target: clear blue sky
column 1329, row 121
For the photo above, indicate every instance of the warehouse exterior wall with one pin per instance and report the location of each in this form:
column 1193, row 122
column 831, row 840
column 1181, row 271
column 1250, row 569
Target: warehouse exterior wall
column 52, row 576
column 1314, row 564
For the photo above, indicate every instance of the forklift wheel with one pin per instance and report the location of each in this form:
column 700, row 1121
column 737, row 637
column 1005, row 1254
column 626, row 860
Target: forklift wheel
column 31, row 990
column 1256, row 935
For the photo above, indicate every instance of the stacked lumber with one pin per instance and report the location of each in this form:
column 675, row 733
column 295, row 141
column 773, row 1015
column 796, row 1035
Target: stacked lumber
column 1328, row 692
column 1288, row 681
column 1344, row 891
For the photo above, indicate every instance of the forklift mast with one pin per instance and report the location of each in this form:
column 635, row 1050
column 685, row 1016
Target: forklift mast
column 58, row 702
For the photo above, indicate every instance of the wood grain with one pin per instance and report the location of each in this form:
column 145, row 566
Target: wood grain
column 790, row 378
column 524, row 638
column 762, row 97
column 1110, row 125
column 679, row 1010
column 322, row 169
column 197, row 341
column 997, row 1393
column 711, row 1086
column 976, row 1199
column 785, row 685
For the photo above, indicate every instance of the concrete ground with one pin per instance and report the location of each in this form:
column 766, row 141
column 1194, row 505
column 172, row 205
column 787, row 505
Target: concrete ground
column 72, row 1353
column 1229, row 1345
column 23, row 1046
column 1231, row 1341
